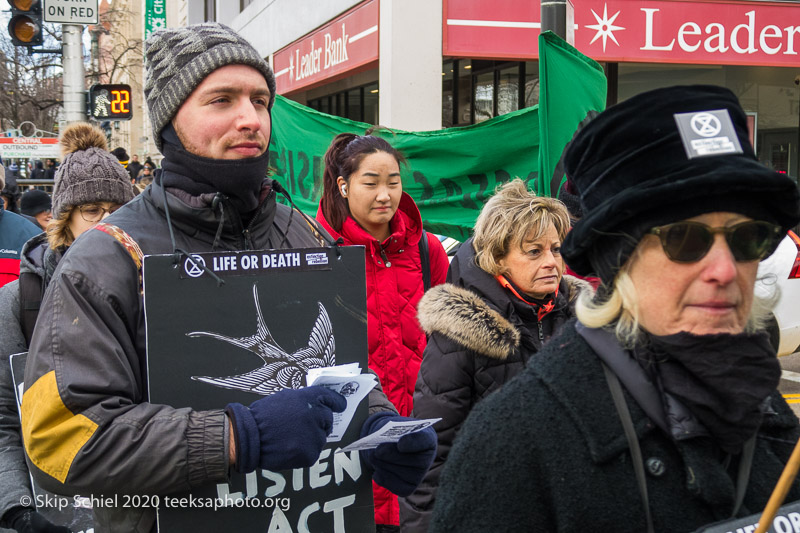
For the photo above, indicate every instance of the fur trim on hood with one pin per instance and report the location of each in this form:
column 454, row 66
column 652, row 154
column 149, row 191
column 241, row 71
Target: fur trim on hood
column 464, row 317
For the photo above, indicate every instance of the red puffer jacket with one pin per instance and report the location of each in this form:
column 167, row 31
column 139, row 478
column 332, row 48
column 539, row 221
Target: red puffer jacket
column 394, row 287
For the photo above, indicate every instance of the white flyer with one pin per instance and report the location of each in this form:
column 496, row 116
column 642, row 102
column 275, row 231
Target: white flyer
column 354, row 388
column 391, row 432
column 349, row 369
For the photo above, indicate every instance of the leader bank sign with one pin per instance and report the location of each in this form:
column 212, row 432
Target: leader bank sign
column 339, row 48
column 677, row 31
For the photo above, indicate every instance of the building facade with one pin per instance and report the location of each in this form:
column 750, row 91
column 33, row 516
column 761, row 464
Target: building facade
column 117, row 49
column 428, row 64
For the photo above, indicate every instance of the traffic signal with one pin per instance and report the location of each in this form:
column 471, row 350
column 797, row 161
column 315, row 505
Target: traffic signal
column 25, row 26
column 110, row 102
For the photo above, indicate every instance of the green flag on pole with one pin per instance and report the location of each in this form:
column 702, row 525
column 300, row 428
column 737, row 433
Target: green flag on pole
column 450, row 173
column 570, row 86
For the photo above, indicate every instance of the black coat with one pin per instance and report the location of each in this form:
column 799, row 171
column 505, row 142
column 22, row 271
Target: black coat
column 548, row 453
column 97, row 285
column 134, row 167
column 479, row 337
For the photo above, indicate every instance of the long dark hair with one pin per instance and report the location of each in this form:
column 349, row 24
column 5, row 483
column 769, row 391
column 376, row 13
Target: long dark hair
column 342, row 159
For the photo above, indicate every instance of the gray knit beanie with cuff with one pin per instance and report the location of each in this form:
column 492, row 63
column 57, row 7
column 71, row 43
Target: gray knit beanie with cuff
column 177, row 60
column 88, row 172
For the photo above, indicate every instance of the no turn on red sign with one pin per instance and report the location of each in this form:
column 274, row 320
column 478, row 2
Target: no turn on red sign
column 71, row 11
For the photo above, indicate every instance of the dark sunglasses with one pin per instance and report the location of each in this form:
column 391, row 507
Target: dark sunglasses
column 687, row 242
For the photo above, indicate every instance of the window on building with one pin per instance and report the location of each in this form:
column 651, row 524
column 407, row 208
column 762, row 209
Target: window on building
column 448, row 92
column 474, row 90
column 243, row 4
column 767, row 94
column 358, row 103
column 371, row 103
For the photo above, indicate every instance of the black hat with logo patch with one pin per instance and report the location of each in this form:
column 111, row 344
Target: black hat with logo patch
column 660, row 157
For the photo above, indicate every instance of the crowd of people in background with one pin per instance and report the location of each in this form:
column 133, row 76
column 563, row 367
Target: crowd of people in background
column 141, row 175
column 552, row 390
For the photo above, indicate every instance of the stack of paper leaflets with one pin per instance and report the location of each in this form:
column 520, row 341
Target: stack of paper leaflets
column 348, row 381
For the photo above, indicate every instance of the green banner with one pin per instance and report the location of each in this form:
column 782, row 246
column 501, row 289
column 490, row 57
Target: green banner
column 450, row 173
column 570, row 86
column 155, row 16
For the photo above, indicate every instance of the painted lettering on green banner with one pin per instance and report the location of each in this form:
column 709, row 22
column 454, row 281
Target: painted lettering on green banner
column 450, row 173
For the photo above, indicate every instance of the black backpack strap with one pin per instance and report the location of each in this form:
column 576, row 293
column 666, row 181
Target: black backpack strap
column 30, row 300
column 425, row 260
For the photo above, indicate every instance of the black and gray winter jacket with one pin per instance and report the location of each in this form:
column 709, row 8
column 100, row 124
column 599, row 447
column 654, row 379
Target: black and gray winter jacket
column 14, row 478
column 479, row 337
column 87, row 425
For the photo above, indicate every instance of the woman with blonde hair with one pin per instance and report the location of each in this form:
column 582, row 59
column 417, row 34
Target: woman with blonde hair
column 507, row 296
column 89, row 185
column 658, row 409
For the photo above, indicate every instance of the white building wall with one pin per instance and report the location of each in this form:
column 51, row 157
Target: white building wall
column 270, row 25
column 410, row 65
column 192, row 12
column 410, row 73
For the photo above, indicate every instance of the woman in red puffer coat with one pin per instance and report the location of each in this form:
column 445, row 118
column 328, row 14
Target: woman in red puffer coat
column 363, row 203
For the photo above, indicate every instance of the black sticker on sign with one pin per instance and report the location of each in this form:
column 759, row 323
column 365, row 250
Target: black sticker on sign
column 707, row 133
column 248, row 263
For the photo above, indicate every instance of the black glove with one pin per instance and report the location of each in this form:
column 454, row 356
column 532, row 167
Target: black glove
column 27, row 520
column 285, row 430
column 399, row 466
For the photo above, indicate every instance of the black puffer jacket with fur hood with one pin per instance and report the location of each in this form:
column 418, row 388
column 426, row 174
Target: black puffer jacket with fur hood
column 479, row 337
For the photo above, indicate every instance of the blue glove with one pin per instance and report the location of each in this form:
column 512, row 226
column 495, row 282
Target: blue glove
column 285, row 430
column 399, row 466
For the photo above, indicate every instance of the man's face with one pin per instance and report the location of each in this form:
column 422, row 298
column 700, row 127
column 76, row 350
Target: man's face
column 226, row 116
column 136, row 159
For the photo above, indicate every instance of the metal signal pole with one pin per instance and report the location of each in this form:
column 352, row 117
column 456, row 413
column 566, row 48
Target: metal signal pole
column 72, row 62
column 556, row 16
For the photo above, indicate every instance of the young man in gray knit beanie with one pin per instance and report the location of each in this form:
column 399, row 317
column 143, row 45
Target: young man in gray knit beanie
column 209, row 94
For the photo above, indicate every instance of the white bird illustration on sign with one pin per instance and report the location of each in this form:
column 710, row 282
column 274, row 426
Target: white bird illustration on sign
column 281, row 370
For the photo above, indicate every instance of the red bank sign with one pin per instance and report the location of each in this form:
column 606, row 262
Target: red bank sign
column 663, row 31
column 339, row 47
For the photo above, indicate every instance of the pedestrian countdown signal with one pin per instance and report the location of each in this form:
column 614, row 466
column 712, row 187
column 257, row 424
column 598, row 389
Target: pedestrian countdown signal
column 110, row 102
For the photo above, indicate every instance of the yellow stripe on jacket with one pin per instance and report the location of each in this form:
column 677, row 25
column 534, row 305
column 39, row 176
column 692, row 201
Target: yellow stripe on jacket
column 52, row 434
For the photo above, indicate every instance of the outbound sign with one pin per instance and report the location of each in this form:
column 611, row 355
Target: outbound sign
column 662, row 31
column 70, row 11
column 340, row 47
column 29, row 148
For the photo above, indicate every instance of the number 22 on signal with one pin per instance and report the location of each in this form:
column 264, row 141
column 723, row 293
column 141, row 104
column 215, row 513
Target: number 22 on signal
column 120, row 98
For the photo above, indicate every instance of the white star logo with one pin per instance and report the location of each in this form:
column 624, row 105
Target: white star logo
column 605, row 26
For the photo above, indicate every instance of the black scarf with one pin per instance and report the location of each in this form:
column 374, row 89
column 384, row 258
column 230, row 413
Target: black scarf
column 722, row 379
column 238, row 179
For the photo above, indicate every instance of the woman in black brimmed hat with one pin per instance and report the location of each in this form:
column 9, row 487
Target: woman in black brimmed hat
column 657, row 410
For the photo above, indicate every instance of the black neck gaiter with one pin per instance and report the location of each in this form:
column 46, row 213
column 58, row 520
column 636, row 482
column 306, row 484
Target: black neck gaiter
column 238, row 179
column 722, row 379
